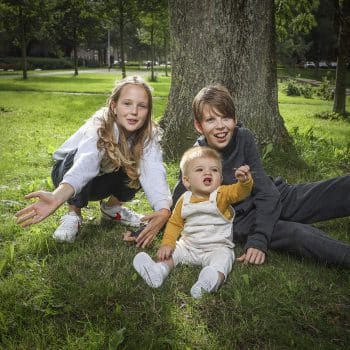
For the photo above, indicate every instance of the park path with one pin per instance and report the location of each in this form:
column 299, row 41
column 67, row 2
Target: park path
column 136, row 72
column 317, row 83
column 37, row 73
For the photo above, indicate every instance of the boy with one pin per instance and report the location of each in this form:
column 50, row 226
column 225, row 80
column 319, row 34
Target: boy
column 203, row 216
column 277, row 215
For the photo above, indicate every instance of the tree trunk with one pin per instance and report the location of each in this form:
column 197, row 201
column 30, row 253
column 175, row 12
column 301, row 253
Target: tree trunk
column 121, row 32
column 227, row 42
column 166, row 54
column 23, row 47
column 24, row 59
column 152, row 54
column 75, row 52
column 339, row 105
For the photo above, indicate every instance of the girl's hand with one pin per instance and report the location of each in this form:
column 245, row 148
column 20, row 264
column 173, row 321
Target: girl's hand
column 242, row 174
column 165, row 252
column 45, row 205
column 155, row 222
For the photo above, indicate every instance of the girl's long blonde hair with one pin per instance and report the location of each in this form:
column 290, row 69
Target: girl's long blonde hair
column 125, row 153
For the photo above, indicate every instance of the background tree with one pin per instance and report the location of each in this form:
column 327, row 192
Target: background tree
column 120, row 14
column 153, row 30
column 294, row 19
column 343, row 19
column 76, row 20
column 227, row 42
column 25, row 20
column 323, row 36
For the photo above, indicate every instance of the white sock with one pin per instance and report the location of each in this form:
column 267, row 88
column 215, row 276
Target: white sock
column 152, row 272
column 208, row 281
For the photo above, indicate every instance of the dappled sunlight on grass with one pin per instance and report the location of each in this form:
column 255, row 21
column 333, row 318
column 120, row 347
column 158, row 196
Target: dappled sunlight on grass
column 87, row 295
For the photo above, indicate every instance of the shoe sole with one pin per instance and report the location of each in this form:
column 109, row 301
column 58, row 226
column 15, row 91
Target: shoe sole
column 111, row 218
column 62, row 240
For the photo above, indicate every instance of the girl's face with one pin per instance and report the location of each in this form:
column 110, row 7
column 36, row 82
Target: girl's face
column 131, row 109
column 218, row 129
column 203, row 176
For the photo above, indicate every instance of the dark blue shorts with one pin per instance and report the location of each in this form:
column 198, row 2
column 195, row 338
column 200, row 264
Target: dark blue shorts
column 100, row 187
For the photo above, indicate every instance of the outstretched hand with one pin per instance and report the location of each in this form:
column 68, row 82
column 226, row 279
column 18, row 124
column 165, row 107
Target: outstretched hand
column 253, row 256
column 45, row 205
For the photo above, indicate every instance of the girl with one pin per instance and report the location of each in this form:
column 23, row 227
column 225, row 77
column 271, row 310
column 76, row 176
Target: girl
column 111, row 155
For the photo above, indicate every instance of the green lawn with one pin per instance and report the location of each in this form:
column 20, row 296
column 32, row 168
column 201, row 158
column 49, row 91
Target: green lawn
column 86, row 295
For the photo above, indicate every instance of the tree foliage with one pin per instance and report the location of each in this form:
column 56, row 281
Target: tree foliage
column 154, row 27
column 294, row 19
column 120, row 15
column 25, row 20
column 76, row 21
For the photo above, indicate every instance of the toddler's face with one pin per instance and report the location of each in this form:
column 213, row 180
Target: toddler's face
column 203, row 176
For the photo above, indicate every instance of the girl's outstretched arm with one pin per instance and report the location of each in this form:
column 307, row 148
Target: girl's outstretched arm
column 46, row 204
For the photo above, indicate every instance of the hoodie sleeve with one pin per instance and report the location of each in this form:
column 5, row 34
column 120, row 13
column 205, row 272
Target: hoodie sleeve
column 265, row 197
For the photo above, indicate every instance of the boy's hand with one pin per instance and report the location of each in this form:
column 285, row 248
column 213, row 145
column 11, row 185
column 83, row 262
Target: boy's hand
column 243, row 174
column 252, row 256
column 165, row 252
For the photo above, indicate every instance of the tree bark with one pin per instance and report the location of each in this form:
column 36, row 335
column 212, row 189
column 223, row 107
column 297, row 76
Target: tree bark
column 339, row 105
column 121, row 32
column 75, row 51
column 226, row 42
column 23, row 46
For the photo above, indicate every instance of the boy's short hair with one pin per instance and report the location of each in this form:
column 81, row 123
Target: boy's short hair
column 198, row 152
column 218, row 98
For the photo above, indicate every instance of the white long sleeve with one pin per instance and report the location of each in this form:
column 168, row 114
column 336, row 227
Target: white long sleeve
column 87, row 162
column 153, row 176
column 87, row 158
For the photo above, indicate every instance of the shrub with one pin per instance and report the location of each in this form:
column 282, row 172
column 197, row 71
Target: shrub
column 331, row 116
column 306, row 91
column 295, row 89
column 292, row 88
column 35, row 63
column 324, row 90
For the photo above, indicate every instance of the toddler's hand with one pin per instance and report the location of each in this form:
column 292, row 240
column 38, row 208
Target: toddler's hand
column 165, row 252
column 243, row 174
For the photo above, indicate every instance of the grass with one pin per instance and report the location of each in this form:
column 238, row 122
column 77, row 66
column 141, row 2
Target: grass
column 300, row 112
column 87, row 295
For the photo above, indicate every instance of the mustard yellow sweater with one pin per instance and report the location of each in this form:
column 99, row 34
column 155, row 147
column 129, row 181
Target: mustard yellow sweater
column 227, row 194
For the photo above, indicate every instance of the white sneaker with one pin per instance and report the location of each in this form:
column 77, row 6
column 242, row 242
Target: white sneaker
column 206, row 283
column 119, row 213
column 150, row 271
column 68, row 229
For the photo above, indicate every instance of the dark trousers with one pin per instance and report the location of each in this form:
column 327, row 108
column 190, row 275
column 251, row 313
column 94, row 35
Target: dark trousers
column 302, row 205
column 100, row 187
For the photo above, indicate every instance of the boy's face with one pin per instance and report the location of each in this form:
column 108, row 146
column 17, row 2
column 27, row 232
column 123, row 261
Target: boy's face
column 217, row 128
column 203, row 176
